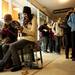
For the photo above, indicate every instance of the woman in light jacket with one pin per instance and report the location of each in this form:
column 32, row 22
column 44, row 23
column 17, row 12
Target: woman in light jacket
column 58, row 32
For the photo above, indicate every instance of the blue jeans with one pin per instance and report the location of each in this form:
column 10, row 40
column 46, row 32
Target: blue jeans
column 58, row 44
column 73, row 44
column 51, row 44
column 44, row 42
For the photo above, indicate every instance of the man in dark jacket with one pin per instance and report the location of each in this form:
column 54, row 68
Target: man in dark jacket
column 9, row 35
column 45, row 35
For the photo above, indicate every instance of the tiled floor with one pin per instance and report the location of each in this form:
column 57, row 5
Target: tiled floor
column 60, row 66
column 53, row 65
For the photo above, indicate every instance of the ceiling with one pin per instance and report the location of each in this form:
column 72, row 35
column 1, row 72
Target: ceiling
column 56, row 4
column 52, row 5
column 48, row 6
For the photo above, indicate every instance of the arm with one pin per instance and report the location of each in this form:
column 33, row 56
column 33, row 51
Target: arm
column 12, row 33
column 33, row 28
column 69, row 22
column 53, row 28
column 40, row 28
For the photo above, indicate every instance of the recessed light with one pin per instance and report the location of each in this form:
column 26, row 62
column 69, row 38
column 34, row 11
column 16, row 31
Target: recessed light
column 63, row 1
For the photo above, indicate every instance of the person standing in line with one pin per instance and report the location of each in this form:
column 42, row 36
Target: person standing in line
column 51, row 38
column 58, row 32
column 67, row 35
column 44, row 30
column 71, row 23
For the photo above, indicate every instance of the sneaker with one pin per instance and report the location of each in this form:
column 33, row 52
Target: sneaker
column 73, row 59
column 16, row 68
column 1, row 69
column 1, row 66
column 34, row 66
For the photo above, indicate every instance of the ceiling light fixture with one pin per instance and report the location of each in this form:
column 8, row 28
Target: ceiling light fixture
column 63, row 1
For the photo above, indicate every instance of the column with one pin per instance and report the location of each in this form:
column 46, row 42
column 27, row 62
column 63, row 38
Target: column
column 38, row 22
column 10, row 6
column 0, row 9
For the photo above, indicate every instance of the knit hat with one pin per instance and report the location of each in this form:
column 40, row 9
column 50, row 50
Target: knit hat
column 27, row 10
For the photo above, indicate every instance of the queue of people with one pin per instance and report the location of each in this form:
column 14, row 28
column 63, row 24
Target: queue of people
column 63, row 34
column 51, row 37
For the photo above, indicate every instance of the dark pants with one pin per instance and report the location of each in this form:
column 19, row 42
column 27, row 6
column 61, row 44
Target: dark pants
column 58, row 44
column 1, row 52
column 44, row 43
column 51, row 44
column 73, row 44
column 9, row 60
column 13, row 51
column 67, row 44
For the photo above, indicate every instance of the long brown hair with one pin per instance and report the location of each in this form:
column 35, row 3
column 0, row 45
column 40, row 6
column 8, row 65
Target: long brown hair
column 27, row 10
